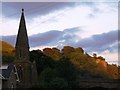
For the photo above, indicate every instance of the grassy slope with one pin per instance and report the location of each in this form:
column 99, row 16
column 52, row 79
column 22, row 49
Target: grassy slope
column 6, row 49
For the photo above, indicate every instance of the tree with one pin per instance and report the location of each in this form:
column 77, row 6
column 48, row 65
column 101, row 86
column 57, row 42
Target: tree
column 67, row 71
column 42, row 61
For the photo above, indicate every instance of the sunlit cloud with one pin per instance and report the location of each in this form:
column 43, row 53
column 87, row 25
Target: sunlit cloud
column 110, row 57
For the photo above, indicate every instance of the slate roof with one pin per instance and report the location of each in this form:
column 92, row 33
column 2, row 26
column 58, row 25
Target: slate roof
column 6, row 72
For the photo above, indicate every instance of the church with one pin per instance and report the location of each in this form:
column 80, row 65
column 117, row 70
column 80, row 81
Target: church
column 25, row 69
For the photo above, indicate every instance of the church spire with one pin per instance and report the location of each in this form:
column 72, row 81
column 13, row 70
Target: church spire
column 22, row 10
column 26, row 71
column 22, row 43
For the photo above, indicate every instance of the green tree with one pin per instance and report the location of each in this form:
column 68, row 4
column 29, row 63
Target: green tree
column 67, row 71
column 42, row 61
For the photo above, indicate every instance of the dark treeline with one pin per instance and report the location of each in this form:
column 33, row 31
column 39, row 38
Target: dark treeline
column 65, row 68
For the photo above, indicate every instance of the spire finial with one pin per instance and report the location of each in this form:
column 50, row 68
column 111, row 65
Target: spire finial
column 22, row 10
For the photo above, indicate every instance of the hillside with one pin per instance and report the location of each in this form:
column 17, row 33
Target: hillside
column 66, row 67
column 6, row 46
column 7, row 51
column 96, row 65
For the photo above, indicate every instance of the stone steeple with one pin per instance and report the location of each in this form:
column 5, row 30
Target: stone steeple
column 22, row 62
column 22, row 43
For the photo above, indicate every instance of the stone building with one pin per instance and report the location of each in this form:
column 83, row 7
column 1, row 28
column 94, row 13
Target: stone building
column 9, row 76
column 25, row 68
column 22, row 73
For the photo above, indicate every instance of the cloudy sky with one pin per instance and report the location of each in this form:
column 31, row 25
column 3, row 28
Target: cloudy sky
column 90, row 25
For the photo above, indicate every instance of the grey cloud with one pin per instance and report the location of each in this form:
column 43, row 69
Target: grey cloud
column 33, row 9
column 54, row 37
column 96, row 43
column 12, row 9
column 44, row 38
column 99, row 42
column 72, row 30
column 48, row 38
column 10, row 39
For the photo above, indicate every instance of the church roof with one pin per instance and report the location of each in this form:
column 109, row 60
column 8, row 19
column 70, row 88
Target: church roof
column 6, row 71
